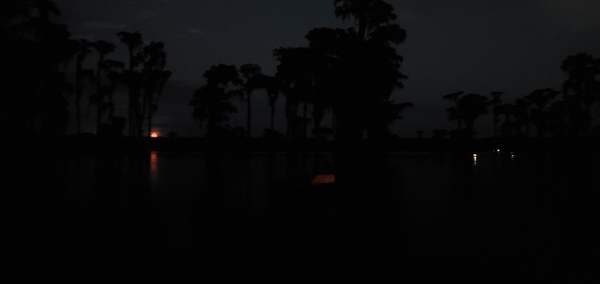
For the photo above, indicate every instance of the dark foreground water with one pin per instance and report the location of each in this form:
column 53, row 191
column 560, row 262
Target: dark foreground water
column 408, row 217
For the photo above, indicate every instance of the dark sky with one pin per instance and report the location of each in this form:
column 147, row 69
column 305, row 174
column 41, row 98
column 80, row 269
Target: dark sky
column 452, row 45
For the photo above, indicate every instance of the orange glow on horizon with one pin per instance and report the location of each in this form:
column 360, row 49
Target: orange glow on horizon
column 154, row 134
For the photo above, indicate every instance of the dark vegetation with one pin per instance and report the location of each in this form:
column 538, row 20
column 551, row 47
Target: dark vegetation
column 47, row 72
column 347, row 75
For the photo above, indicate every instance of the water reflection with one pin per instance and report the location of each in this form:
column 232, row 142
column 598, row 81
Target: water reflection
column 210, row 216
column 153, row 166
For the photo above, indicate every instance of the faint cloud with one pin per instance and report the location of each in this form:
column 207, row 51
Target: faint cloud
column 195, row 31
column 147, row 14
column 103, row 25
column 190, row 32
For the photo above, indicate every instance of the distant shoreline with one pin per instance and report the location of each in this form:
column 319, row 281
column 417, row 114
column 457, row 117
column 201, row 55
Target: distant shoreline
column 124, row 145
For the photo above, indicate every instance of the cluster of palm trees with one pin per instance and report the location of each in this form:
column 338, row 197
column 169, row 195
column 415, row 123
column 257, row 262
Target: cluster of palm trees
column 144, row 78
column 349, row 73
column 38, row 87
column 212, row 102
column 542, row 113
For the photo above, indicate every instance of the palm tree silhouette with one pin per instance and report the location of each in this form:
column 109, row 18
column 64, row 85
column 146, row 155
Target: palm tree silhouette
column 367, row 14
column 115, row 78
column 154, row 77
column 351, row 72
column 508, row 125
column 496, row 101
column 211, row 101
column 387, row 113
column 368, row 63
column 272, row 88
column 295, row 75
column 539, row 116
column 81, row 74
column 253, row 79
column 581, row 89
column 471, row 106
column 522, row 116
column 162, row 77
column 133, row 40
column 453, row 112
column 103, row 48
column 559, row 109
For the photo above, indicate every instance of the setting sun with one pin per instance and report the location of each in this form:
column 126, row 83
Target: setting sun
column 154, row 134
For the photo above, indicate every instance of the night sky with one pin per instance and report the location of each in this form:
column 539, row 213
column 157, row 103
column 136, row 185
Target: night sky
column 459, row 45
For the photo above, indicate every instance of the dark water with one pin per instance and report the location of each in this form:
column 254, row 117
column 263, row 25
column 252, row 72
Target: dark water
column 407, row 217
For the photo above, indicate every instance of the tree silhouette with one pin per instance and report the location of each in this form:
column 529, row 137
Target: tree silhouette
column 115, row 78
column 272, row 88
column 506, row 129
column 329, row 47
column 103, row 48
column 453, row 112
column 540, row 117
column 582, row 90
column 81, row 74
column 34, row 49
column 368, row 15
column 133, row 40
column 387, row 113
column 522, row 117
column 496, row 101
column 559, row 110
column 154, row 79
column 362, row 64
column 295, row 75
column 211, row 101
column 471, row 106
column 439, row 133
column 253, row 80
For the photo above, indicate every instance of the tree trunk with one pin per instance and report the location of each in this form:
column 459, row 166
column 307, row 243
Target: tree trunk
column 249, row 118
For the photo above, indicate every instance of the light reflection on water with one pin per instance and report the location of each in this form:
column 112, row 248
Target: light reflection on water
column 153, row 166
column 483, row 206
column 417, row 179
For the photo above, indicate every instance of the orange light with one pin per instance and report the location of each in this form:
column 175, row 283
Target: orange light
column 323, row 179
column 154, row 134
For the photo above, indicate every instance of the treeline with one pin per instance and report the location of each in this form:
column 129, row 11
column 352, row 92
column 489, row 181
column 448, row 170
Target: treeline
column 544, row 112
column 348, row 73
column 47, row 69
